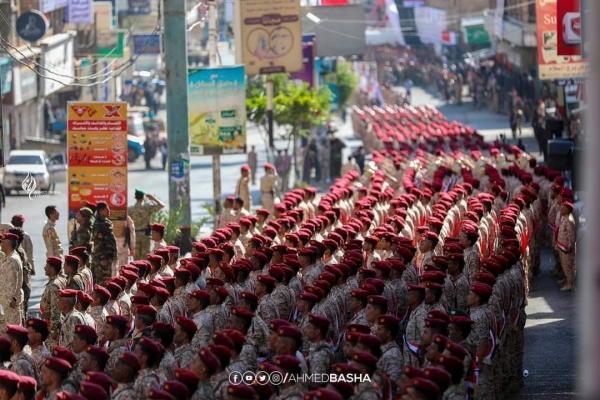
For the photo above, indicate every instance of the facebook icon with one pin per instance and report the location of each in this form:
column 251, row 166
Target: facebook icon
column 235, row 377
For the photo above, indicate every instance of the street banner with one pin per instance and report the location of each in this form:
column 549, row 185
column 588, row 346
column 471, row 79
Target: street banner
column 568, row 26
column 217, row 110
column 80, row 12
column 308, row 73
column 552, row 66
column 97, row 156
column 268, row 36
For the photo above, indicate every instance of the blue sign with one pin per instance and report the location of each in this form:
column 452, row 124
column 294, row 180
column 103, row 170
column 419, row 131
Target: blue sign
column 177, row 170
column 146, row 44
column 32, row 26
column 5, row 75
column 139, row 7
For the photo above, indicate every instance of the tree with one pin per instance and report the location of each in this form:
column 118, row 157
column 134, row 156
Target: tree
column 347, row 84
column 299, row 108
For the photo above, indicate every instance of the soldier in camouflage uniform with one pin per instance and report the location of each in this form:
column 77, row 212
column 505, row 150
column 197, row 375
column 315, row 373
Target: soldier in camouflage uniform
column 71, row 318
column 105, row 244
column 74, row 279
column 27, row 270
column 321, row 355
column 184, row 332
column 49, row 301
column 82, row 236
column 141, row 213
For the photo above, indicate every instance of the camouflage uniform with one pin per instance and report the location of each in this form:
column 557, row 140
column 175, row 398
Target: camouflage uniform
column 267, row 308
column 204, row 391
column 23, row 364
column 125, row 305
column 456, row 291
column 105, row 249
column 184, row 355
column 455, row 392
column 219, row 383
column 268, row 184
column 483, row 322
column 49, row 308
column 293, row 392
column 27, row 270
column 205, row 330
column 217, row 316
column 471, row 263
column 411, row 275
column 258, row 334
column 75, row 282
column 82, row 237
column 11, row 285
column 365, row 391
column 124, row 391
column 320, row 358
column 360, row 318
column 412, row 337
column 243, row 192
column 39, row 356
column 566, row 239
column 283, row 298
column 115, row 349
column 168, row 365
column 301, row 322
column 146, row 380
column 141, row 215
column 391, row 361
column 51, row 240
column 67, row 330
column 248, row 357
column 99, row 314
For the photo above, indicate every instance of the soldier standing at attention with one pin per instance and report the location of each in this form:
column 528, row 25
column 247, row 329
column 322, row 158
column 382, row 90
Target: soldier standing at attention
column 157, row 233
column 82, row 237
column 253, row 163
column 50, row 234
column 268, row 185
column 141, row 213
column 242, row 188
column 105, row 244
column 49, row 302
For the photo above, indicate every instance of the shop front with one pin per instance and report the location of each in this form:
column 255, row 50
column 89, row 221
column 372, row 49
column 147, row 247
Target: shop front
column 21, row 103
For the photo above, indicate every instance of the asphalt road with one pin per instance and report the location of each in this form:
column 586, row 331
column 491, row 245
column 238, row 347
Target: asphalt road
column 550, row 335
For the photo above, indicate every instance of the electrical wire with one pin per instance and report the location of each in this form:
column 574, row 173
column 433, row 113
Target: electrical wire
column 123, row 68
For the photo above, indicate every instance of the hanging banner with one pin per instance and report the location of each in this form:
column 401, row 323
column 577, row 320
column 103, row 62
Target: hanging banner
column 268, row 35
column 217, row 110
column 308, row 73
column 552, row 66
column 568, row 26
column 80, row 12
column 97, row 154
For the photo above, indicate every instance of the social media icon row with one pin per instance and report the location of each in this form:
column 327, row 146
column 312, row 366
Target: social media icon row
column 262, row 378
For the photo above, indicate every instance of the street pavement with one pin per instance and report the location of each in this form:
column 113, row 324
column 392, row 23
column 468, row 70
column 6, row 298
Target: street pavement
column 550, row 336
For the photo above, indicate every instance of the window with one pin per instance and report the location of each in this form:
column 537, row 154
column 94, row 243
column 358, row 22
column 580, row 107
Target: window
column 26, row 160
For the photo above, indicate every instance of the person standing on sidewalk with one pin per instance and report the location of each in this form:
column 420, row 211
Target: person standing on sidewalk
column 325, row 158
column 253, row 163
column 50, row 234
column 242, row 187
column 285, row 178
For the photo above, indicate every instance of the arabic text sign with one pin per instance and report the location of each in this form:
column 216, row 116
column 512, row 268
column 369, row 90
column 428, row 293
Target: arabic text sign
column 270, row 36
column 97, row 151
column 217, row 110
column 552, row 66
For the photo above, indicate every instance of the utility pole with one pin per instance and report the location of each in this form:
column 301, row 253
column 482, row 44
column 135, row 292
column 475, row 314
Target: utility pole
column 212, row 59
column 178, row 137
column 270, row 112
column 2, row 151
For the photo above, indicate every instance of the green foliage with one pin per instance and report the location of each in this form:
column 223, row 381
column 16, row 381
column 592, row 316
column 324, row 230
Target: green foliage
column 256, row 96
column 300, row 108
column 172, row 218
column 347, row 84
column 213, row 214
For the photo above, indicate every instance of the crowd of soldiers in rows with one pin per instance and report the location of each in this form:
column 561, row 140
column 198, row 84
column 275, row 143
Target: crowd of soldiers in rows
column 413, row 276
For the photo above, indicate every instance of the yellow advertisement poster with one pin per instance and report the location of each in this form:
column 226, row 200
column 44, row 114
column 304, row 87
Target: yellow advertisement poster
column 97, row 156
column 270, row 36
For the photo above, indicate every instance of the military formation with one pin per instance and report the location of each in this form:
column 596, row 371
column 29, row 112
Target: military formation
column 413, row 277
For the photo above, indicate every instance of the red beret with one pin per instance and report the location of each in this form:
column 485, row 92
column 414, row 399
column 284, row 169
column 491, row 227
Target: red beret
column 140, row 299
column 290, row 331
column 9, row 379
column 438, row 314
column 290, row 363
column 319, row 321
column 568, row 205
column 27, row 384
column 187, row 377
column 16, row 330
column 209, row 359
column 359, row 294
column 412, row 372
column 222, row 340
column 440, row 340
column 264, row 212
column 482, row 290
column 117, row 320
column 508, row 232
column 65, row 354
column 450, row 363
column 186, row 324
column 92, row 391
column 460, row 320
column 308, row 297
column 344, row 369
column 434, row 286
column 366, row 359
column 71, row 258
column 431, row 236
column 126, row 273
column 153, row 258
column 146, row 310
column 317, row 291
column 248, row 296
column 266, row 280
column 382, row 266
column 221, row 291
column 372, row 240
column 469, row 229
column 388, row 321
column 378, row 301
column 67, row 293
column 242, row 313
column 435, row 323
column 437, row 374
column 10, row 236
column 157, row 227
column 131, row 361
column 177, row 389
column 84, row 297
column 411, row 288
column 242, row 391
column 37, row 323
column 86, row 331
column 103, row 291
column 157, row 394
column 98, row 352
column 161, row 292
column 150, row 345
column 427, row 387
column 57, row 364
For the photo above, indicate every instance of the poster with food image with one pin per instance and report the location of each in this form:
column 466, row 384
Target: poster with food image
column 97, row 156
column 217, row 110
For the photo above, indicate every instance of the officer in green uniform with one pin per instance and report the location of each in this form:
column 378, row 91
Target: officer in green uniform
column 26, row 268
column 105, row 244
column 141, row 213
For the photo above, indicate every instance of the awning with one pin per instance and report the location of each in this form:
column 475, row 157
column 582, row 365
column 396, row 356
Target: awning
column 6, row 74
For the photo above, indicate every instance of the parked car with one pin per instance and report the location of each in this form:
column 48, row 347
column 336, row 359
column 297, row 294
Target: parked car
column 135, row 148
column 46, row 171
